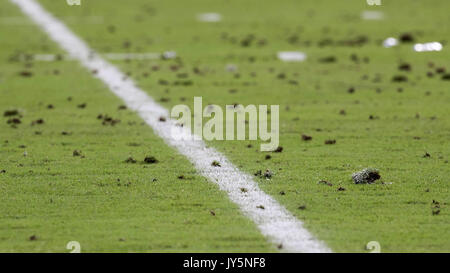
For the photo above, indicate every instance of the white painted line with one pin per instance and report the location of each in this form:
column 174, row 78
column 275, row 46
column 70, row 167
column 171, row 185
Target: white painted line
column 291, row 56
column 274, row 221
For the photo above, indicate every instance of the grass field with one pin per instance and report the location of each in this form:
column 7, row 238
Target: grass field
column 343, row 91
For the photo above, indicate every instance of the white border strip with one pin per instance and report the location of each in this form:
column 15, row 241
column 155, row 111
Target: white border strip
column 275, row 222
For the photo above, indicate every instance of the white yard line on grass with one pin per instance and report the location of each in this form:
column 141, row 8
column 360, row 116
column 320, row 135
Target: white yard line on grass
column 274, row 221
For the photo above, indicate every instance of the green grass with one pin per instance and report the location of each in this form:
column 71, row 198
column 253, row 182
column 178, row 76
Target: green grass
column 397, row 213
column 99, row 200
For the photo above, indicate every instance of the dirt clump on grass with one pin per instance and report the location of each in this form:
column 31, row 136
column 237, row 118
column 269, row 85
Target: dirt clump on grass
column 130, row 160
column 11, row 113
column 150, row 160
column 306, row 137
column 366, row 176
column 216, row 163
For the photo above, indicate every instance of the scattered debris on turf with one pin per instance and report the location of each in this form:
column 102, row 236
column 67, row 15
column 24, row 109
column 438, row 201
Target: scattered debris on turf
column 11, row 113
column 216, row 163
column 150, row 160
column 324, row 182
column 306, row 137
column 130, row 160
column 279, row 149
column 366, row 176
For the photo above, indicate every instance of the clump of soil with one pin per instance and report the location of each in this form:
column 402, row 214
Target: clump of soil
column 329, row 59
column 306, row 137
column 440, row 70
column 324, row 182
column 11, row 113
column 37, row 122
column 366, row 176
column 330, row 141
column 399, row 78
column 107, row 120
column 279, row 149
column 406, row 38
column 267, row 174
column 130, row 160
column 14, row 121
column 26, row 74
column 404, row 67
column 215, row 163
column 151, row 160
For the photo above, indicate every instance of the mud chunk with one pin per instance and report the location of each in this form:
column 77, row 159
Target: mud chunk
column 324, row 182
column 306, row 137
column 130, row 160
column 11, row 113
column 150, row 160
column 406, row 38
column 279, row 149
column 399, row 78
column 366, row 176
column 26, row 74
column 329, row 59
column 404, row 67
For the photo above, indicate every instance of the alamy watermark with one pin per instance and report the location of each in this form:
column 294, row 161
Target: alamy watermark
column 235, row 123
column 74, row 246
column 374, row 247
column 73, row 2
column 373, row 2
